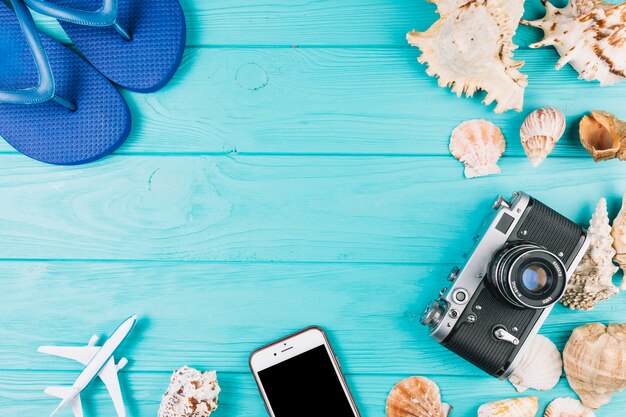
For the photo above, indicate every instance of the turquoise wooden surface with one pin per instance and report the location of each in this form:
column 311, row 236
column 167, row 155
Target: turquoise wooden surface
column 294, row 172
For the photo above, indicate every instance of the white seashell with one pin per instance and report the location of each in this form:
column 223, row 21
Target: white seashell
column 540, row 367
column 603, row 135
column 416, row 397
column 478, row 144
column 513, row 407
column 471, row 48
column 191, row 394
column 589, row 35
column 595, row 362
column 592, row 280
column 619, row 240
column 568, row 407
column 541, row 130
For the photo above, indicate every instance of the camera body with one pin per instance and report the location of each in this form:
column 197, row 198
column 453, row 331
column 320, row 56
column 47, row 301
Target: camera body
column 518, row 270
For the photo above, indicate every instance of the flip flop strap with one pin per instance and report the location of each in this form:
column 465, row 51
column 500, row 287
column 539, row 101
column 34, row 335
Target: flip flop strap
column 44, row 91
column 106, row 15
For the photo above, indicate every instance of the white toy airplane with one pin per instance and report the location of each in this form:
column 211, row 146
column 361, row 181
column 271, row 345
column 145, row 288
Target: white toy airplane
column 99, row 362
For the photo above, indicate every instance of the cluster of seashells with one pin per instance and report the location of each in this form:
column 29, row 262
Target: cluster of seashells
column 479, row 144
column 470, row 47
column 594, row 360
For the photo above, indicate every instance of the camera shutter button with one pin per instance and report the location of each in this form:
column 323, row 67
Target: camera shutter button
column 460, row 296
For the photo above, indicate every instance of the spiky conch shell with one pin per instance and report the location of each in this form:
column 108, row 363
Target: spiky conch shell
column 478, row 144
column 416, row 396
column 471, row 48
column 619, row 240
column 512, row 407
column 568, row 407
column 603, row 135
column 540, row 367
column 592, row 280
column 594, row 359
column 541, row 130
column 590, row 35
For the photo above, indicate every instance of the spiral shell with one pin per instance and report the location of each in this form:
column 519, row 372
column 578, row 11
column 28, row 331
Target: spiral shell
column 191, row 393
column 619, row 240
column 478, row 144
column 416, row 397
column 595, row 362
column 540, row 367
column 541, row 130
column 592, row 280
column 512, row 407
column 568, row 407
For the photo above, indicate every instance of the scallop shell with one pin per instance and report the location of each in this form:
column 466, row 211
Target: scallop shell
column 590, row 35
column 541, row 130
column 512, row 407
column 478, row 144
column 603, row 135
column 568, row 407
column 416, row 397
column 595, row 362
column 540, row 367
column 471, row 48
column 619, row 240
column 592, row 280
column 191, row 394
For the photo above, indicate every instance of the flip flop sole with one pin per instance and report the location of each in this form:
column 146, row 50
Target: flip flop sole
column 49, row 132
column 150, row 59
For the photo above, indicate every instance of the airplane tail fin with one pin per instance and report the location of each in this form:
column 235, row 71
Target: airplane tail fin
column 65, row 393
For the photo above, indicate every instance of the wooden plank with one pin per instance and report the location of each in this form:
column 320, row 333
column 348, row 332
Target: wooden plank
column 214, row 314
column 312, row 23
column 21, row 394
column 268, row 208
column 337, row 101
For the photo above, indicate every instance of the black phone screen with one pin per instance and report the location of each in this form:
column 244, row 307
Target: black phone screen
column 305, row 385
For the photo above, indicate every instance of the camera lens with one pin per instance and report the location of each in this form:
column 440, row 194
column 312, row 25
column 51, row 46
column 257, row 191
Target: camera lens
column 528, row 276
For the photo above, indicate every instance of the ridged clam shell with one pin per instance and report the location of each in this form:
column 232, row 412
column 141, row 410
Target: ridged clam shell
column 540, row 368
column 512, row 407
column 618, row 232
column 191, row 393
column 603, row 135
column 541, row 130
column 478, row 144
column 568, row 407
column 592, row 280
column 595, row 362
column 416, row 396
column 471, row 48
column 590, row 35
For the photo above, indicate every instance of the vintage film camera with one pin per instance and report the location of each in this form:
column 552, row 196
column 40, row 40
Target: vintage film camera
column 517, row 271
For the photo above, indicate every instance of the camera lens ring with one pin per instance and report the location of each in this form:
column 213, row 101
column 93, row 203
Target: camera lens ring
column 528, row 276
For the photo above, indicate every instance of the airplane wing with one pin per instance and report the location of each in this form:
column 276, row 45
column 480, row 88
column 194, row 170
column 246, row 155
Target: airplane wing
column 108, row 375
column 63, row 392
column 82, row 354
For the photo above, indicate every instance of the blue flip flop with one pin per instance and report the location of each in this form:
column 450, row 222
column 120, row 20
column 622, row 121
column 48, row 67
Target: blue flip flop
column 54, row 107
column 137, row 44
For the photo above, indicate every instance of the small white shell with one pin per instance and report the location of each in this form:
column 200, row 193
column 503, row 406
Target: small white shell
column 541, row 130
column 568, row 407
column 191, row 394
column 416, row 396
column 478, row 144
column 540, row 367
column 512, row 407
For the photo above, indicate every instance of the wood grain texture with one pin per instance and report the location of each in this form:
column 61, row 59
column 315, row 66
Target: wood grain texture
column 313, row 22
column 271, row 208
column 338, row 101
column 213, row 315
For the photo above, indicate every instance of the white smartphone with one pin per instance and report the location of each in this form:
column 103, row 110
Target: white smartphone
column 300, row 376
